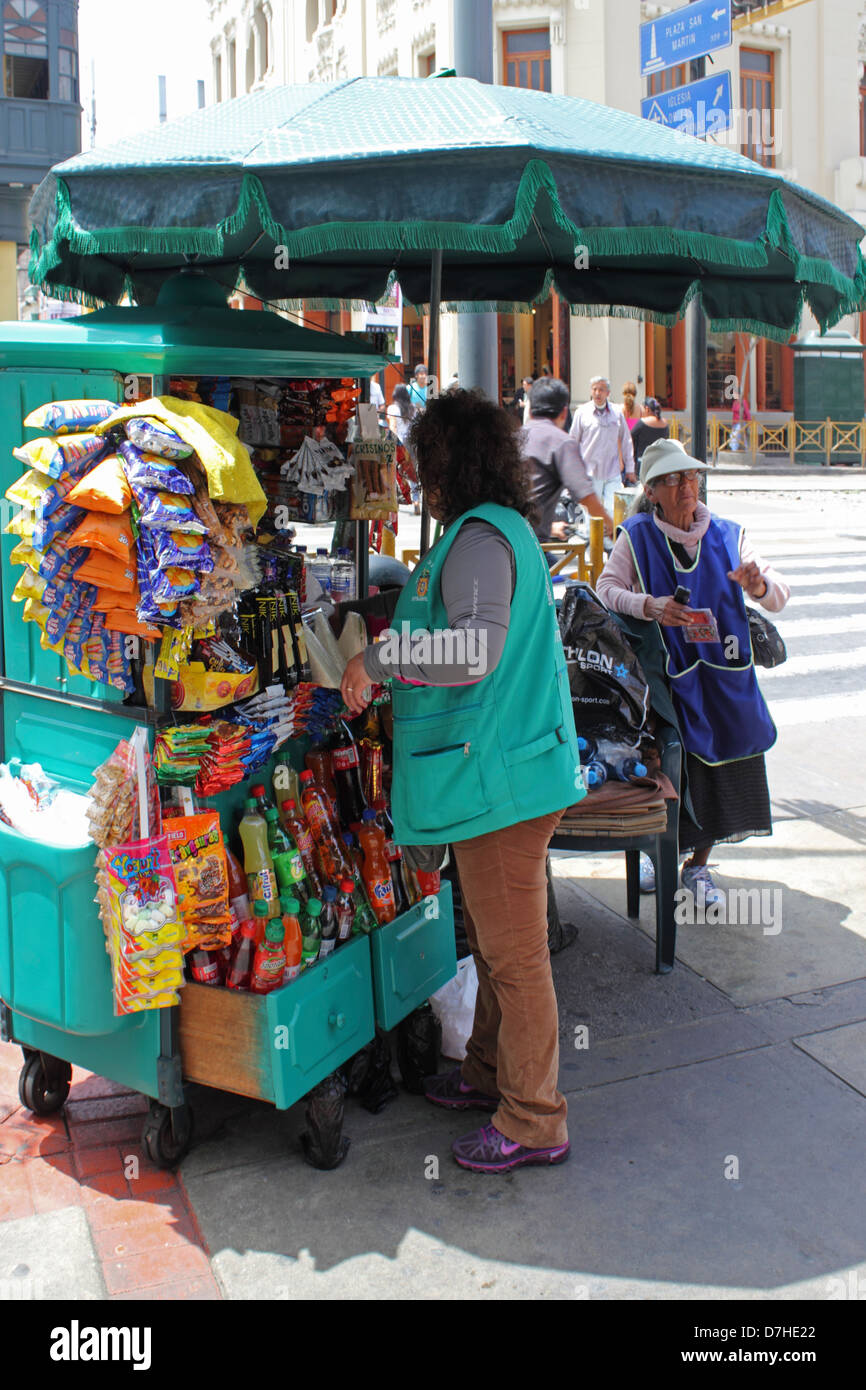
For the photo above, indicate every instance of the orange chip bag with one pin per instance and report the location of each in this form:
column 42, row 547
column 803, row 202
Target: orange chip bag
column 101, row 569
column 108, row 598
column 112, row 534
column 198, row 857
column 104, row 488
column 122, row 620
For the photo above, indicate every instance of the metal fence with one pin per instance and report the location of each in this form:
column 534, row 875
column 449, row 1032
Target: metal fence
column 803, row 441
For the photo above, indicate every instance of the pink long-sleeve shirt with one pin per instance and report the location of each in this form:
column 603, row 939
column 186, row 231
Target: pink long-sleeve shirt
column 619, row 590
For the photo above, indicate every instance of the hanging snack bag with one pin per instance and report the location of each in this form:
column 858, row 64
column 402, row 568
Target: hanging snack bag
column 110, row 534
column 36, row 491
column 146, row 470
column 198, row 858
column 103, row 489
column 122, row 620
column 168, row 511
column 181, row 548
column 106, row 570
column 155, row 438
column 30, row 585
column 141, row 905
column 63, row 518
column 69, row 456
column 69, row 417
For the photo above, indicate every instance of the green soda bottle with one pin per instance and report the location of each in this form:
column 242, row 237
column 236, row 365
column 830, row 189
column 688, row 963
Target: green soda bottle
column 286, row 857
column 311, row 932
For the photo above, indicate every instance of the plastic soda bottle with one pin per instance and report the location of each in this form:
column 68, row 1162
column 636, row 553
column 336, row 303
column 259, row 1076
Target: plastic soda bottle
column 269, row 963
column 240, row 970
column 262, row 800
column 297, row 828
column 287, row 861
column 311, row 932
column 376, row 872
column 285, row 782
column 239, row 903
column 261, row 914
column 345, row 910
column 428, row 883
column 205, row 967
column 394, row 856
column 261, row 879
column 293, row 942
column 328, row 921
column 324, row 832
column 365, row 920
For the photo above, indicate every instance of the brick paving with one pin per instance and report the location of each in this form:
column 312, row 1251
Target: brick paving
column 142, row 1225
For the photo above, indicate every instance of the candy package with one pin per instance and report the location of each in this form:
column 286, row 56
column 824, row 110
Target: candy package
column 181, row 548
column 111, row 534
column 104, row 488
column 38, row 493
column 68, row 417
column 198, row 858
column 168, row 511
column 148, row 470
column 140, row 903
column 70, row 455
column 155, row 438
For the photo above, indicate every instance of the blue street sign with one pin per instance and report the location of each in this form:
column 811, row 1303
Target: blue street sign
column 684, row 34
column 701, row 108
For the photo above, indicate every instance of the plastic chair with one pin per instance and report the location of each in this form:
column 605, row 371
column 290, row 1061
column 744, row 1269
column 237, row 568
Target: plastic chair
column 663, row 850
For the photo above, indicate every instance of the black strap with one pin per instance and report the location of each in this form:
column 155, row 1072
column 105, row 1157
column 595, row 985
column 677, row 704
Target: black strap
column 681, row 553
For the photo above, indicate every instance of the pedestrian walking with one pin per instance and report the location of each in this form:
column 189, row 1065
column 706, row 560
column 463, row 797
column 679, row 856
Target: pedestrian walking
column 673, row 539
column 629, row 404
column 498, row 798
column 605, row 442
column 400, row 414
column 418, row 387
column 740, row 417
column 556, row 463
column 649, row 427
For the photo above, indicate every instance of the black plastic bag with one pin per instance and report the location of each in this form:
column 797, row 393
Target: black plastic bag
column 368, row 1075
column 608, row 687
column 418, row 1040
column 323, row 1142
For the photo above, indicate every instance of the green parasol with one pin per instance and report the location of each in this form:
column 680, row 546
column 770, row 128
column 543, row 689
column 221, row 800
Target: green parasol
column 328, row 191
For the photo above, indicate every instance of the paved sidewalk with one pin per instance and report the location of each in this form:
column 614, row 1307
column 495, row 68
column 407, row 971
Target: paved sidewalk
column 83, row 1213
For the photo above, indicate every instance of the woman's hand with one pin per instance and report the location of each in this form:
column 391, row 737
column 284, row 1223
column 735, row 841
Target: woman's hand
column 356, row 686
column 749, row 577
column 668, row 612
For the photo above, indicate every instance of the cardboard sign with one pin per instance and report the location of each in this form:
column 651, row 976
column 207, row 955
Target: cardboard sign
column 374, row 486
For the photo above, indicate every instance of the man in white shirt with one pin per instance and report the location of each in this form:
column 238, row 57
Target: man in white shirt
column 601, row 431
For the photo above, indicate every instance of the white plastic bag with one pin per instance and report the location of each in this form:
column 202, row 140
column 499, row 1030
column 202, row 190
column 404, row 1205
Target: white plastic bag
column 454, row 1006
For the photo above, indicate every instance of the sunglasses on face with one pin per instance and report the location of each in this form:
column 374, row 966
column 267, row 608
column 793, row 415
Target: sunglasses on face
column 688, row 475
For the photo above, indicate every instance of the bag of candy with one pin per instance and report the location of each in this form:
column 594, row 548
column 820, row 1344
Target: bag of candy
column 155, row 438
column 70, row 455
column 69, row 417
column 198, row 858
column 141, row 904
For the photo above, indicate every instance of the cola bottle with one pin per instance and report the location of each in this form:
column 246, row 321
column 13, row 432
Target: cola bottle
column 346, row 769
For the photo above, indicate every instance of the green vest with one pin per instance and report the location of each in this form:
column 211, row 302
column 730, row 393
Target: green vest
column 469, row 759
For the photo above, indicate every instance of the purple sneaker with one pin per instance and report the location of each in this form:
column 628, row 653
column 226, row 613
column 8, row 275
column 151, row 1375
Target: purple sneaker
column 488, row 1151
column 451, row 1091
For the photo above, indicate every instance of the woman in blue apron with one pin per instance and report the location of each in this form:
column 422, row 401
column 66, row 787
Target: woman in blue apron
column 486, row 760
column 725, row 724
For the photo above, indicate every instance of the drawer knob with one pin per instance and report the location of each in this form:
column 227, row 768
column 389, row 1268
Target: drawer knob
column 336, row 1020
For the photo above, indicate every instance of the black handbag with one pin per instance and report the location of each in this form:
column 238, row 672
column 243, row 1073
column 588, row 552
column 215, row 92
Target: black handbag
column 768, row 649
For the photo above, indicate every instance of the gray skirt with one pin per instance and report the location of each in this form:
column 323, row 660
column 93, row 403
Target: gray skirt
column 731, row 802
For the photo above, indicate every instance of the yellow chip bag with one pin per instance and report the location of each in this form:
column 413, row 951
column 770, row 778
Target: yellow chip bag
column 36, row 612
column 24, row 554
column 30, row 585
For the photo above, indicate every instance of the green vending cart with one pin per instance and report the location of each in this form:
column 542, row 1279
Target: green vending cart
column 55, row 977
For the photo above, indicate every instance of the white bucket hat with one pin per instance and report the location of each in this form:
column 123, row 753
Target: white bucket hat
column 666, row 456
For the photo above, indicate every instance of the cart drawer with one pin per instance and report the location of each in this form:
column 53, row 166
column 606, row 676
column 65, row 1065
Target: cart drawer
column 413, row 956
column 320, row 1020
column 224, row 1040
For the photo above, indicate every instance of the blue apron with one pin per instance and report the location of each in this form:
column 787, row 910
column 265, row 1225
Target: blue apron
column 722, row 713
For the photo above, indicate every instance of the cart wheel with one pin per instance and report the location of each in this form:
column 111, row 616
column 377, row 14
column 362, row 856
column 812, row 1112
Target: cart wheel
column 164, row 1142
column 40, row 1092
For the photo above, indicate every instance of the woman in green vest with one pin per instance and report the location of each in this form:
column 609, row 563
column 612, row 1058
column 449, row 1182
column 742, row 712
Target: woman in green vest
column 486, row 760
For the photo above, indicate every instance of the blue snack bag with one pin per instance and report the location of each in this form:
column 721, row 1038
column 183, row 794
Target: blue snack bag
column 167, row 511
column 149, row 471
column 182, row 548
column 150, row 436
column 61, row 519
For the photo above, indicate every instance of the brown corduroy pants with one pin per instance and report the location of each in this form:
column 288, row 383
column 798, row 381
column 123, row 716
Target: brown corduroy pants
column 514, row 1049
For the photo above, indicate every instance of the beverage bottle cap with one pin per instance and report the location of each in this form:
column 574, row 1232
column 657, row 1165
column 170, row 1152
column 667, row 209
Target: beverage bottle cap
column 288, row 805
column 321, row 550
column 301, row 549
column 306, row 776
column 314, row 907
column 346, row 885
column 368, row 815
column 271, row 814
column 260, row 909
column 348, row 838
column 258, row 789
column 250, row 805
column 329, row 893
column 274, row 932
column 289, row 905
column 639, row 770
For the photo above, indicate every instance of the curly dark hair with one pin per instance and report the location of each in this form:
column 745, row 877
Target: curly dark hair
column 467, row 451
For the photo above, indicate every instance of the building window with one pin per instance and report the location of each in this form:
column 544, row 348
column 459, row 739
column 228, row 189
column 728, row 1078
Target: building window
column 67, row 66
column 757, row 100
column 25, row 45
column 427, row 64
column 666, row 80
column 526, row 58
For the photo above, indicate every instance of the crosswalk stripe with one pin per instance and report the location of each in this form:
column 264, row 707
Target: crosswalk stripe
column 813, row 663
column 793, row 627
column 816, row 710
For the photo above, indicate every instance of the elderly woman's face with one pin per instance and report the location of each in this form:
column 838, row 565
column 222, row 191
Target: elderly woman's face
column 676, row 494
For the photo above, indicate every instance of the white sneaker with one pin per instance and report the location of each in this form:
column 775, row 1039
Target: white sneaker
column 698, row 880
column 647, row 874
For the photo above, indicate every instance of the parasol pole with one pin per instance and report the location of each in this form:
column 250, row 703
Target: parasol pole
column 435, row 299
column 699, row 348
